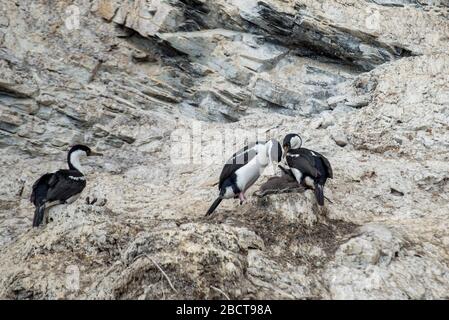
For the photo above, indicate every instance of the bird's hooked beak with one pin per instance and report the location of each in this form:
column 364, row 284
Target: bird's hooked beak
column 95, row 154
column 284, row 154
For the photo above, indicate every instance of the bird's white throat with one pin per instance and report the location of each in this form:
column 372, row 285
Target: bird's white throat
column 75, row 159
column 263, row 154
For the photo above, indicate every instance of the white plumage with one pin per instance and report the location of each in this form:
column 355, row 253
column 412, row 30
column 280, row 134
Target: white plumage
column 243, row 169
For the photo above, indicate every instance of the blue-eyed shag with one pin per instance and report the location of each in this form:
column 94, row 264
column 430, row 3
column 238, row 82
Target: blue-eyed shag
column 61, row 187
column 243, row 169
column 309, row 167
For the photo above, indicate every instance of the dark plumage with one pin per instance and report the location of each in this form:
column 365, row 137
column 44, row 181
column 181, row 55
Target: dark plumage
column 243, row 169
column 62, row 186
column 309, row 167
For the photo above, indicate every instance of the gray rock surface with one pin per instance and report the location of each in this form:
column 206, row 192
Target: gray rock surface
column 365, row 83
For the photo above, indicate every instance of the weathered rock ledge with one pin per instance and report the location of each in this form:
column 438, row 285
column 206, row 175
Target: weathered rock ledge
column 366, row 83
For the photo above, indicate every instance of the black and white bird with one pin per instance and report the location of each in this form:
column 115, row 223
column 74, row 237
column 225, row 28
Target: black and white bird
column 309, row 167
column 243, row 169
column 61, row 187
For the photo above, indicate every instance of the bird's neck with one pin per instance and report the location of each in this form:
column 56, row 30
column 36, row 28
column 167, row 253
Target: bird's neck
column 294, row 151
column 74, row 161
column 262, row 158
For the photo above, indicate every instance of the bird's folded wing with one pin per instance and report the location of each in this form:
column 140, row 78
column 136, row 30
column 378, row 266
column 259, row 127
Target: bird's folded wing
column 328, row 167
column 54, row 179
column 42, row 180
column 245, row 154
column 304, row 163
column 65, row 184
column 238, row 160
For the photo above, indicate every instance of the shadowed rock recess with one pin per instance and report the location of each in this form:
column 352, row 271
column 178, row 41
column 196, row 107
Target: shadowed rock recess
column 366, row 83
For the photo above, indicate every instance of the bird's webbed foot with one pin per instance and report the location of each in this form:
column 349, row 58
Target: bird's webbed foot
column 47, row 219
column 90, row 201
column 94, row 201
column 242, row 197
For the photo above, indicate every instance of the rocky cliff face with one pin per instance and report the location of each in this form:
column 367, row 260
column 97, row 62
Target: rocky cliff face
column 366, row 83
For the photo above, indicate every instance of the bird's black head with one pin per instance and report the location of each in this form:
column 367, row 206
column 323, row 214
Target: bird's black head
column 80, row 147
column 76, row 152
column 292, row 141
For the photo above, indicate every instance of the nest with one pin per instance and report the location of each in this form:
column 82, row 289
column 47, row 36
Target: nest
column 286, row 183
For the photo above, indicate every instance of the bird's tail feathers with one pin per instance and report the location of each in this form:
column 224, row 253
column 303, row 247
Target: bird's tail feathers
column 39, row 214
column 319, row 194
column 214, row 206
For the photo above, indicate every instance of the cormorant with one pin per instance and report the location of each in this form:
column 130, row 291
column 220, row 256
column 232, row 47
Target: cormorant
column 243, row 169
column 309, row 167
column 61, row 187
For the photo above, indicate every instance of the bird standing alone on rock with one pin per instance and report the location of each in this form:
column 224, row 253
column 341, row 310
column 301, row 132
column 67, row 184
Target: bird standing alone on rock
column 243, row 169
column 309, row 167
column 61, row 187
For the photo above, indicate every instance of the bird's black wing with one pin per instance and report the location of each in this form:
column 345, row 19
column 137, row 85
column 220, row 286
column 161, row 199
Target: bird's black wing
column 310, row 163
column 328, row 167
column 304, row 161
column 40, row 188
column 64, row 184
column 238, row 160
column 321, row 163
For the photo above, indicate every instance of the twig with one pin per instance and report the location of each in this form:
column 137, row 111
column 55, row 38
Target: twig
column 221, row 291
column 163, row 272
column 159, row 267
column 328, row 199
